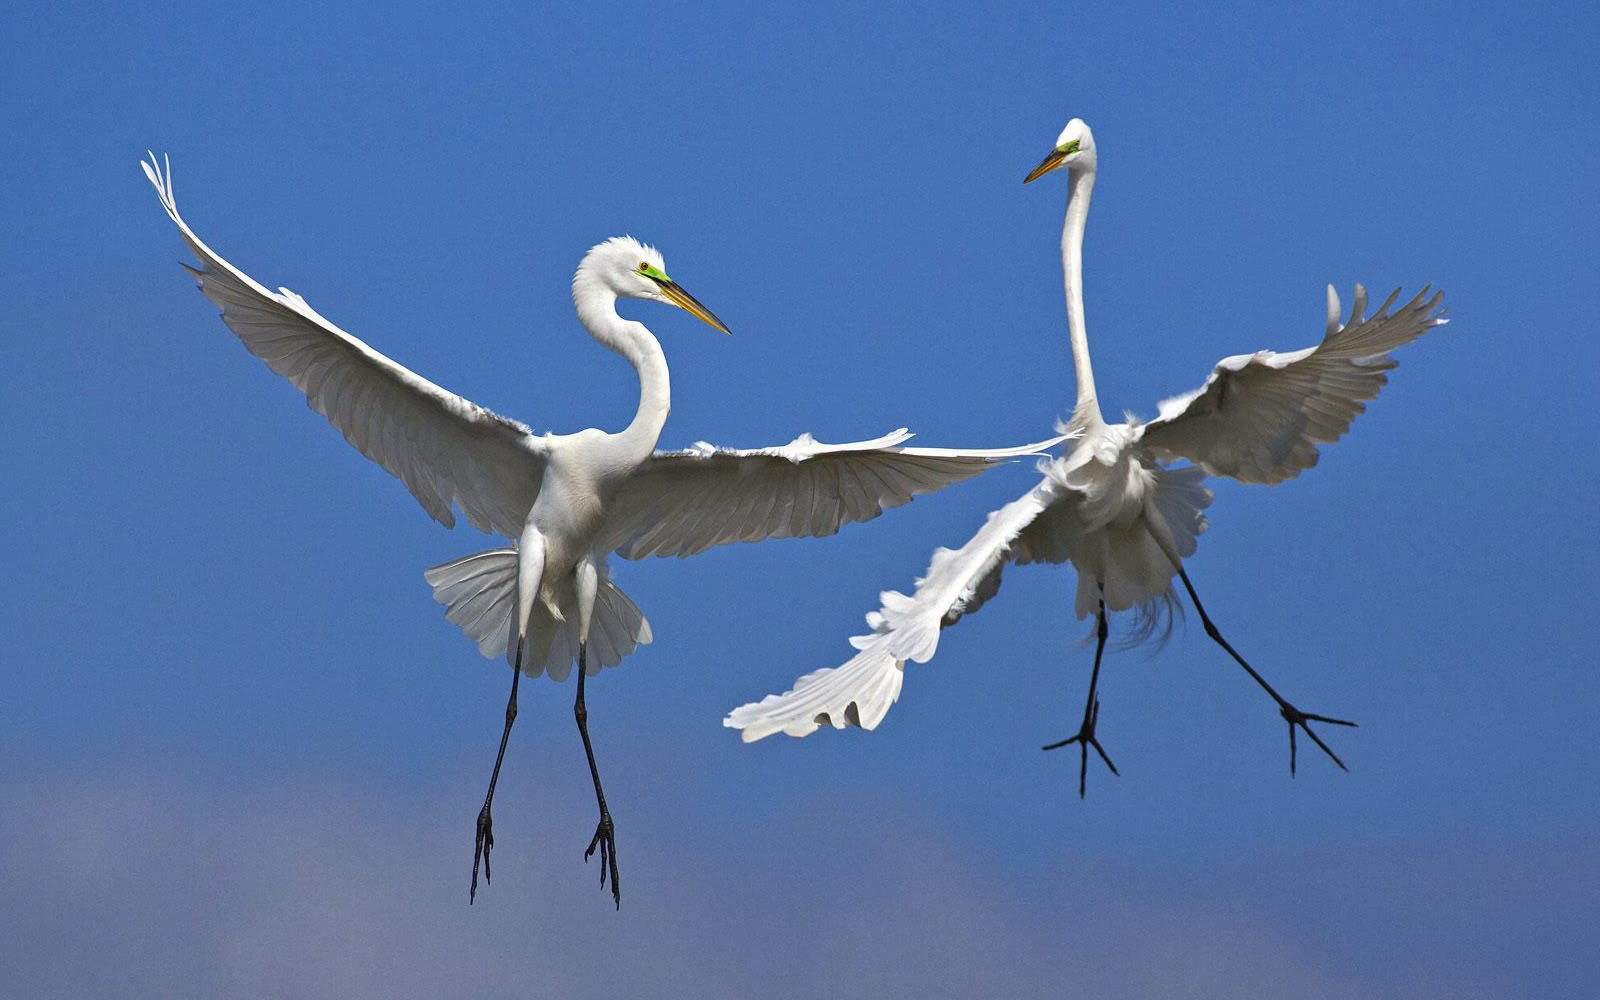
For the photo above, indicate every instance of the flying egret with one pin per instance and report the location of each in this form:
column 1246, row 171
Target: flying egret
column 568, row 500
column 1111, row 505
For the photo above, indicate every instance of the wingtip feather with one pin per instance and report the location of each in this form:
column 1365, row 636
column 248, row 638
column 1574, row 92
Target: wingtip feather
column 856, row 694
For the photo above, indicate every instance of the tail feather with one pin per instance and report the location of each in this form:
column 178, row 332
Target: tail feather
column 618, row 628
column 479, row 594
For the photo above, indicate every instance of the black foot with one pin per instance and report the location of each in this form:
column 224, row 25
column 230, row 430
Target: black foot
column 1294, row 717
column 481, row 852
column 1086, row 739
column 605, row 839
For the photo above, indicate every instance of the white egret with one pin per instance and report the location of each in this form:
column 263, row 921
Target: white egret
column 568, row 500
column 1110, row 504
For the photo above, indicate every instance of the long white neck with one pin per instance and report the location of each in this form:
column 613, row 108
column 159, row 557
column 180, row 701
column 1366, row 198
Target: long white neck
column 1086, row 413
column 597, row 311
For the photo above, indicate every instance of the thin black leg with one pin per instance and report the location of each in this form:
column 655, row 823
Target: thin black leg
column 1091, row 711
column 485, row 823
column 1293, row 716
column 605, row 837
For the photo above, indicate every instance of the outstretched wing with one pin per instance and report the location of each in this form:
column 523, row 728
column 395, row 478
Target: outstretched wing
column 446, row 449
column 1259, row 417
column 860, row 691
column 958, row 581
column 683, row 502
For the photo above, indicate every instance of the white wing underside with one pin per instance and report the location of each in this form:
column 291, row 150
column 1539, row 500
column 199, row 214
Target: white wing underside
column 856, row 693
column 860, row 691
column 957, row 580
column 683, row 502
column 446, row 449
column 450, row 452
column 1259, row 417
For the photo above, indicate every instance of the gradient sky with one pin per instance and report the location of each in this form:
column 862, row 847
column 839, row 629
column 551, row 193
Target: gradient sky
column 241, row 751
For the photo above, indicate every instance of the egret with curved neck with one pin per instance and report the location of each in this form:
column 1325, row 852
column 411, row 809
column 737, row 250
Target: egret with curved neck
column 568, row 500
column 557, row 568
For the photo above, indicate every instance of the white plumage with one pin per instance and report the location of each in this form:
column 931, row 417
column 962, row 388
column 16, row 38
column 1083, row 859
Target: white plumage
column 1110, row 504
column 568, row 500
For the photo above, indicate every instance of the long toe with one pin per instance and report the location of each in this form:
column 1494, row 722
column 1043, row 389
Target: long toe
column 1102, row 752
column 605, row 841
column 480, row 852
column 1085, row 739
column 1298, row 719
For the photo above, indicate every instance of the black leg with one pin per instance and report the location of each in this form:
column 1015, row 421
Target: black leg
column 485, row 823
column 1091, row 711
column 605, row 837
column 1293, row 716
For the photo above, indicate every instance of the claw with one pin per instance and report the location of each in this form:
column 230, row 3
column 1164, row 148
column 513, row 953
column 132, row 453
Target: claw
column 1085, row 739
column 605, row 839
column 1294, row 717
column 481, row 851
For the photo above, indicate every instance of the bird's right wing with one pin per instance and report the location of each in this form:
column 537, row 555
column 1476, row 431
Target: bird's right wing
column 958, row 581
column 1260, row 417
column 683, row 502
column 860, row 691
column 857, row 693
column 446, row 449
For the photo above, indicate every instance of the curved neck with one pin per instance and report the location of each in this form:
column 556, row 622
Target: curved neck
column 597, row 311
column 1087, row 409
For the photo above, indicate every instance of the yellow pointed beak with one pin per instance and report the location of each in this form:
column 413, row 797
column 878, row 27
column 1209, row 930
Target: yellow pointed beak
column 689, row 304
column 1049, row 163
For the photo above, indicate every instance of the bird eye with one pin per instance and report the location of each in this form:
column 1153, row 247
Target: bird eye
column 644, row 265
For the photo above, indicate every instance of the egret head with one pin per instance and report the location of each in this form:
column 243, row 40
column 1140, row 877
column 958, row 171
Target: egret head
column 630, row 269
column 1074, row 150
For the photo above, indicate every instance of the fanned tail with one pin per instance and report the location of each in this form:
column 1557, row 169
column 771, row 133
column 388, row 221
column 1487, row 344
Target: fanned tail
column 479, row 594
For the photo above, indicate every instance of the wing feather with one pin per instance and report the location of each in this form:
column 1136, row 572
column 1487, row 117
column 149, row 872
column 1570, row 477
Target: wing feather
column 1259, row 417
column 446, row 449
column 860, row 691
column 683, row 502
column 958, row 581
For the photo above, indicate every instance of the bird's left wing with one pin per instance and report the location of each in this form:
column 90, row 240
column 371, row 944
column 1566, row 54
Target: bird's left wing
column 683, row 502
column 446, row 449
column 1259, row 417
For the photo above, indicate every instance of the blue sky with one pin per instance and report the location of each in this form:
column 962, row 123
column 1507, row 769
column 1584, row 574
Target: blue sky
column 242, row 750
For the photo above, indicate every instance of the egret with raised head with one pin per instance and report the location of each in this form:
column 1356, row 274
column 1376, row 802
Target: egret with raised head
column 1112, row 504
